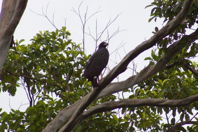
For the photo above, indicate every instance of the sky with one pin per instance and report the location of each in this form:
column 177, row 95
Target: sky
column 132, row 22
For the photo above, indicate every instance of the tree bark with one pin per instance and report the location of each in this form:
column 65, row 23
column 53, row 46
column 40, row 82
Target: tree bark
column 111, row 105
column 11, row 13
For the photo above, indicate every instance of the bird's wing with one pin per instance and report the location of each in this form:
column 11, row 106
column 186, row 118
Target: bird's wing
column 90, row 60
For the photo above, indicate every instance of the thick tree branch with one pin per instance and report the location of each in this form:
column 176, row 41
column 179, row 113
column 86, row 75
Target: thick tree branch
column 63, row 116
column 111, row 105
column 9, row 18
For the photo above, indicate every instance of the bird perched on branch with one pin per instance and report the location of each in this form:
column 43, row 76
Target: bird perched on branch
column 97, row 62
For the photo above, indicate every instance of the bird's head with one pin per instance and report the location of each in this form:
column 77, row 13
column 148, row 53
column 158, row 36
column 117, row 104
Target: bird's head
column 103, row 45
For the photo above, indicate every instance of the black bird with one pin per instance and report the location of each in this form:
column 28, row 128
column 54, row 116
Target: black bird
column 97, row 62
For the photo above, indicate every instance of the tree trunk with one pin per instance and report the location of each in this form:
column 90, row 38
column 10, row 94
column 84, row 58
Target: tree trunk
column 10, row 16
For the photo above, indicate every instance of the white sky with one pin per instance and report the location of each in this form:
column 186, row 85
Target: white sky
column 133, row 20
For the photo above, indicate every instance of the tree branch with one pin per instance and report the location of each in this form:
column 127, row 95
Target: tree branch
column 9, row 18
column 65, row 114
column 98, row 35
column 84, row 20
column 111, row 105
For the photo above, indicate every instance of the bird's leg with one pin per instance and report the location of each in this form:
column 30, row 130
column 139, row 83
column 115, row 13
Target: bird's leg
column 95, row 81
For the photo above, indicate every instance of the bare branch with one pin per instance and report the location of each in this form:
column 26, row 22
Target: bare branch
column 44, row 14
column 84, row 20
column 109, row 37
column 121, row 45
column 90, row 34
column 106, row 27
column 98, row 35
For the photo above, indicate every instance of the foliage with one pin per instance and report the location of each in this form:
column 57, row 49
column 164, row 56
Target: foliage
column 50, row 71
column 52, row 63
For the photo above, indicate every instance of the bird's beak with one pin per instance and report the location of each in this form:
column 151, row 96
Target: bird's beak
column 106, row 44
